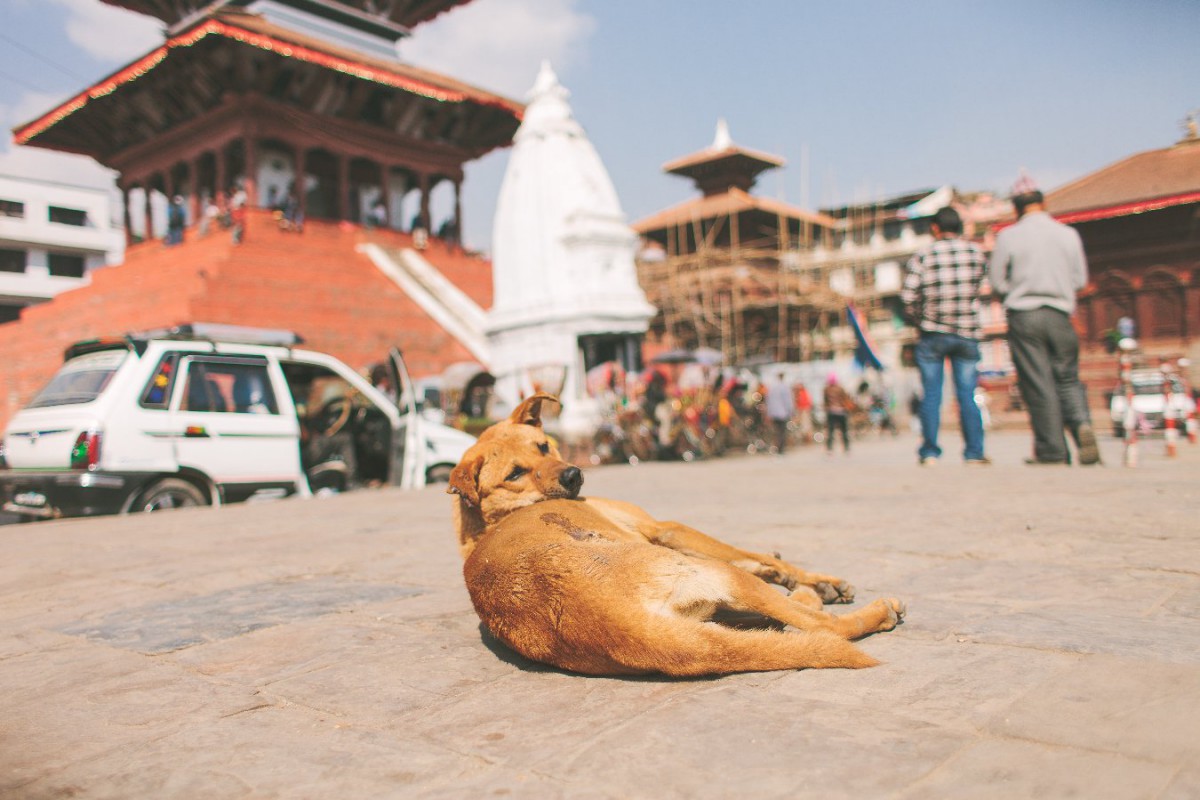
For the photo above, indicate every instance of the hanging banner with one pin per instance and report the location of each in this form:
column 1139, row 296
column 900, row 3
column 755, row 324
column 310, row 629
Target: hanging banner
column 864, row 353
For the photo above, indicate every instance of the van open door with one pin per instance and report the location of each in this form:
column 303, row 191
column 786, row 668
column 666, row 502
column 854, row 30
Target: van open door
column 408, row 457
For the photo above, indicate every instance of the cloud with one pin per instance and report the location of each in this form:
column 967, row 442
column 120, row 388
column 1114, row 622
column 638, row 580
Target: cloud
column 112, row 35
column 465, row 43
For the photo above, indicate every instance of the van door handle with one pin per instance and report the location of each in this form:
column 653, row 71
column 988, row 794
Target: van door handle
column 195, row 432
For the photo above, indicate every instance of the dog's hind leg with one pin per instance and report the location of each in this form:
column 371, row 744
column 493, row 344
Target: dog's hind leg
column 746, row 593
column 688, row 647
column 771, row 569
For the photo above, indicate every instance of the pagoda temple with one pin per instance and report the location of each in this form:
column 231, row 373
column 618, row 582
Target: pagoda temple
column 1137, row 219
column 254, row 94
column 265, row 103
column 718, row 267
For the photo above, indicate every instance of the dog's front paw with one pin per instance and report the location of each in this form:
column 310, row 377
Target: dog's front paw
column 835, row 592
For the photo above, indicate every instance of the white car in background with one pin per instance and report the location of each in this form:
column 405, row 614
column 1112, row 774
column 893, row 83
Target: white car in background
column 1150, row 401
column 208, row 414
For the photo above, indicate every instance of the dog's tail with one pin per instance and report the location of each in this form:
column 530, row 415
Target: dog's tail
column 704, row 648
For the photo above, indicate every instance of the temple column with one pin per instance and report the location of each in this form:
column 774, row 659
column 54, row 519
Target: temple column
column 251, row 179
column 300, row 182
column 343, row 186
column 220, row 178
column 125, row 214
column 148, row 188
column 385, row 173
column 194, row 200
column 458, row 227
column 424, row 214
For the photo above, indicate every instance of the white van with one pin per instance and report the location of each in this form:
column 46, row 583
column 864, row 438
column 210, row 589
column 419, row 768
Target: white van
column 206, row 414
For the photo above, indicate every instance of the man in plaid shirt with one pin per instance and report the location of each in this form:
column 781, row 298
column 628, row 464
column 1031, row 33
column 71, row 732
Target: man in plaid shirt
column 941, row 299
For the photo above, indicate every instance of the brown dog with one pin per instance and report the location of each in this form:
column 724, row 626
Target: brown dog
column 601, row 587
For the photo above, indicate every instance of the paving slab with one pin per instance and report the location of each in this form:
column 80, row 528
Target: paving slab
column 327, row 647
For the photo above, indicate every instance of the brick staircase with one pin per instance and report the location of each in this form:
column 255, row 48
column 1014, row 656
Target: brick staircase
column 313, row 282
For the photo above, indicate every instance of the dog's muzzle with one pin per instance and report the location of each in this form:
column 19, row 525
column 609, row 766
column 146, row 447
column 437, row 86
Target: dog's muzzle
column 571, row 479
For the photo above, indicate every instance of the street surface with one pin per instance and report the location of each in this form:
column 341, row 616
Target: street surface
column 328, row 649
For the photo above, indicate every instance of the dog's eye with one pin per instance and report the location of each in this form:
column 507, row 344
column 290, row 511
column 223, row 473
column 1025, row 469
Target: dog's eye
column 544, row 448
column 516, row 473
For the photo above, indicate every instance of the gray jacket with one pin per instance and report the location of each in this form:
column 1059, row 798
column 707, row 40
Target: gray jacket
column 1038, row 262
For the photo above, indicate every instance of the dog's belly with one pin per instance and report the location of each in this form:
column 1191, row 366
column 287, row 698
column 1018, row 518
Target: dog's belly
column 561, row 585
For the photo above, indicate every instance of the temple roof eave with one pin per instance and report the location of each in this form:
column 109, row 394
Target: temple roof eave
column 257, row 33
column 734, row 201
column 686, row 164
column 404, row 13
column 1154, row 178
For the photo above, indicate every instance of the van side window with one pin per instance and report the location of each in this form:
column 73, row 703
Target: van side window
column 157, row 393
column 227, row 386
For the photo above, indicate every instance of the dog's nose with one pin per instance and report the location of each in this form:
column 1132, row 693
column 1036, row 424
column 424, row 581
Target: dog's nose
column 571, row 479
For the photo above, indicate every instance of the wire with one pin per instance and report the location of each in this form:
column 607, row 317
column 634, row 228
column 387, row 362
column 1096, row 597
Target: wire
column 23, row 82
column 43, row 58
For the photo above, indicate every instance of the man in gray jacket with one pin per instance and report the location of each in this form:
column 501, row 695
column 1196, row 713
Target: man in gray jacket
column 1037, row 266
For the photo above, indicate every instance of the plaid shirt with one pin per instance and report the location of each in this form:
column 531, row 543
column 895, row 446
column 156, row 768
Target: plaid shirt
column 941, row 287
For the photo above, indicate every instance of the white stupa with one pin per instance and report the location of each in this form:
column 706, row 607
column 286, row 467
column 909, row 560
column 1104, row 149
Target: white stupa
column 565, row 284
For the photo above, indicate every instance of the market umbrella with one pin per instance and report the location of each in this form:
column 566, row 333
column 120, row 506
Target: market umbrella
column 674, row 357
column 708, row 356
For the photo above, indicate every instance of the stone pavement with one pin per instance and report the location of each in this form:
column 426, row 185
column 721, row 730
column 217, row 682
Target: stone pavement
column 327, row 648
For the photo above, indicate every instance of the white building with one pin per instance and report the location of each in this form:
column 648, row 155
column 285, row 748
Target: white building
column 52, row 236
column 566, row 296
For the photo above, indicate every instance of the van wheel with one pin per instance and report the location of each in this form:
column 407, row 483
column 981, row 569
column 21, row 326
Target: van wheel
column 170, row 493
column 438, row 473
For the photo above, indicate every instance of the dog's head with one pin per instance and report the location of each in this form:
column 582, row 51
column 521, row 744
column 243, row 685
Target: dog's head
column 514, row 464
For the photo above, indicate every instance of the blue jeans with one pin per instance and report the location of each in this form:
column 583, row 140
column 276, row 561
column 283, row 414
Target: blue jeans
column 932, row 351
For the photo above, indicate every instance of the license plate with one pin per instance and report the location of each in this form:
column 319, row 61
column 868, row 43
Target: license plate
column 31, row 499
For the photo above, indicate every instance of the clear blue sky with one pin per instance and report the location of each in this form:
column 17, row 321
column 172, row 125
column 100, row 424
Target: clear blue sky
column 885, row 96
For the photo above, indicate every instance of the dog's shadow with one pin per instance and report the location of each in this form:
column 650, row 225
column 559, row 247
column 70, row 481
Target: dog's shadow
column 730, row 619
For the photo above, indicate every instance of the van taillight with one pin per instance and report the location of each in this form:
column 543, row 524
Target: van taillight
column 86, row 452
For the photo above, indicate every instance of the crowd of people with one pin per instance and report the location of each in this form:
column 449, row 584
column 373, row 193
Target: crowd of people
column 662, row 415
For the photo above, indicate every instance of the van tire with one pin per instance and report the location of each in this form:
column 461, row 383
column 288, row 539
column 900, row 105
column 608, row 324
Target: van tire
column 170, row 493
column 438, row 473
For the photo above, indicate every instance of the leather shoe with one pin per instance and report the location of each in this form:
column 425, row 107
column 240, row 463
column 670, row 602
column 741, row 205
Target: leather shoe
column 1089, row 451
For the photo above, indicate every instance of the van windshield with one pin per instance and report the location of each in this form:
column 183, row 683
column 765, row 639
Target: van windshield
column 80, row 380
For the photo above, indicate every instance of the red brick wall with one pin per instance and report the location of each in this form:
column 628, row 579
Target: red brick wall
column 314, row 283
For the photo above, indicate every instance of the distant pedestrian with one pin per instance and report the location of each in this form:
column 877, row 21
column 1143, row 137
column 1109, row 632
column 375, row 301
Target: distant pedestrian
column 781, row 407
column 941, row 299
column 237, row 215
column 1037, row 266
column 176, row 220
column 209, row 215
column 804, row 407
column 838, row 406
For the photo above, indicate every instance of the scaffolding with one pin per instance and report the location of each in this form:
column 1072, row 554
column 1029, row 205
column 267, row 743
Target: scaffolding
column 780, row 297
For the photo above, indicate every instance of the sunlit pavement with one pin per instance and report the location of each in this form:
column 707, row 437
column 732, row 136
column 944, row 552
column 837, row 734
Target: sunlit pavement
column 327, row 648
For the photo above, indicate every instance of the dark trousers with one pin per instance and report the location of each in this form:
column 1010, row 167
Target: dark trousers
column 1045, row 351
column 837, row 422
column 781, row 433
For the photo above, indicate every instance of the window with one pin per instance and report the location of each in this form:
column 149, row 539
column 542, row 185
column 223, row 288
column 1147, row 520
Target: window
column 66, row 266
column 80, row 380
column 12, row 260
column 12, row 208
column 68, row 216
column 157, row 393
column 239, row 386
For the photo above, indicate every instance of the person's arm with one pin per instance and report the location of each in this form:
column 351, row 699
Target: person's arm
column 998, row 267
column 1079, row 268
column 910, row 292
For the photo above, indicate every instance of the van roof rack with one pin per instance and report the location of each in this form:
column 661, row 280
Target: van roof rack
column 221, row 332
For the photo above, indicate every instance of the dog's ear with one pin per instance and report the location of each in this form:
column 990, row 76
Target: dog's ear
column 530, row 411
column 464, row 480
